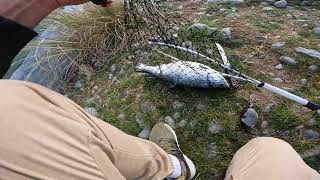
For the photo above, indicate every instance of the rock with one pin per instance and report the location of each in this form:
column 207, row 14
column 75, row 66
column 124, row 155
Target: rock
column 122, row 72
column 226, row 33
column 312, row 122
column 113, row 68
column 250, row 118
column 269, row 108
column 303, row 82
column 300, row 127
column 267, row 9
column 308, row 52
column 170, row 121
column 316, row 31
column 278, row 80
column 193, row 123
column 177, row 105
column 92, row 111
column 124, row 94
column 214, row 127
column 261, row 39
column 79, row 84
column 91, row 100
column 222, row 10
column 110, row 76
column 139, row 120
column 183, row 124
column 288, row 61
column 144, row 134
column 235, row 2
column 199, row 27
column 211, row 151
column 262, row 4
column 279, row 67
column 176, row 115
column 121, row 117
column 264, row 124
column 278, row 45
column 311, row 134
column 114, row 80
column 270, row 1
column 146, row 107
column 313, row 69
column 281, row 4
column 232, row 15
column 201, row 107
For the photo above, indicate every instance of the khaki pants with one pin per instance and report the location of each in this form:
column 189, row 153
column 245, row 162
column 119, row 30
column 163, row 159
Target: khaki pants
column 44, row 135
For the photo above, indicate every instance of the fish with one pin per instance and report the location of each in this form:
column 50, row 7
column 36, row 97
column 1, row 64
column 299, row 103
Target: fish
column 186, row 73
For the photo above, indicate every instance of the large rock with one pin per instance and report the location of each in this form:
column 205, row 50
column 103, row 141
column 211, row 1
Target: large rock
column 288, row 61
column 308, row 52
column 281, row 4
column 236, row 2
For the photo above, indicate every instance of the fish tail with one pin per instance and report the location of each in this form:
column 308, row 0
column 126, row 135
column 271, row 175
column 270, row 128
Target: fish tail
column 139, row 67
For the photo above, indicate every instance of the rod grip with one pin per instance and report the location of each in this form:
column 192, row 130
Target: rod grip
column 312, row 106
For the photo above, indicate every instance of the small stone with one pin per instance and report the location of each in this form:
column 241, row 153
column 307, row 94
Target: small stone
column 176, row 115
column 180, row 7
column 146, row 107
column 278, row 80
column 92, row 111
column 222, row 10
column 278, row 45
column 281, row 4
column 139, row 120
column 312, row 122
column 113, row 68
column 79, row 84
column 279, row 67
column 250, row 118
column 144, row 134
column 289, row 16
column 269, row 108
column 214, row 127
column 303, row 82
column 232, row 15
column 122, row 71
column 267, row 9
column 183, row 124
column 313, row 69
column 170, row 121
column 201, row 107
column 211, row 151
column 110, row 76
column 226, row 33
column 124, row 94
column 114, row 80
column 193, row 123
column 308, row 52
column 198, row 27
column 121, row 117
column 264, row 124
column 316, row 31
column 300, row 127
column 177, row 105
column 91, row 100
column 288, row 61
column 261, row 39
column 311, row 134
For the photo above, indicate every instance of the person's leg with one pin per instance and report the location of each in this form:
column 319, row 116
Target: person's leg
column 44, row 135
column 267, row 158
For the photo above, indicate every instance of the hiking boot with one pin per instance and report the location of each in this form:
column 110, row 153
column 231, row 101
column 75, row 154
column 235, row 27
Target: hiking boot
column 164, row 136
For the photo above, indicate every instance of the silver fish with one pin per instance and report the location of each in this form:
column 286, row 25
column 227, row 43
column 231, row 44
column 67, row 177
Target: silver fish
column 186, row 73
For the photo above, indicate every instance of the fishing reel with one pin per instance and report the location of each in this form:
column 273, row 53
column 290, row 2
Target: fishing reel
column 104, row 3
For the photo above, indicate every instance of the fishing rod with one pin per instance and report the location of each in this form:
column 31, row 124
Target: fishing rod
column 240, row 76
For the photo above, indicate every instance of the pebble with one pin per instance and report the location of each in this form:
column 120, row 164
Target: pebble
column 250, row 118
column 312, row 122
column 279, row 67
column 176, row 115
column 308, row 52
column 261, row 39
column 201, row 107
column 269, row 108
column 113, row 68
column 311, row 134
column 110, row 76
column 79, row 84
column 316, row 31
column 144, row 134
column 278, row 80
column 170, row 121
column 146, row 107
column 183, row 124
column 222, row 10
column 303, row 82
column 232, row 15
column 211, row 151
column 278, row 45
column 177, row 105
column 199, row 27
column 92, row 111
column 287, row 61
column 193, row 123
column 281, row 4
column 267, row 9
column 264, row 124
column 313, row 69
column 226, row 33
column 121, row 117
column 214, row 127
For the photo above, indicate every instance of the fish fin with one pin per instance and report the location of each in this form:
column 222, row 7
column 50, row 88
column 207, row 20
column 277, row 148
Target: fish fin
column 139, row 67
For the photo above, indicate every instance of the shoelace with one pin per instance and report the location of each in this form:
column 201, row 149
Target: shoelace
column 170, row 146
